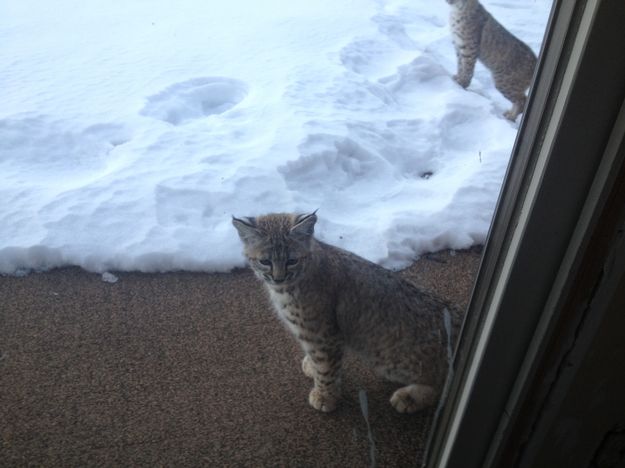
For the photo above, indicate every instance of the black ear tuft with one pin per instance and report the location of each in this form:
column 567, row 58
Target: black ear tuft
column 246, row 227
column 247, row 220
column 305, row 225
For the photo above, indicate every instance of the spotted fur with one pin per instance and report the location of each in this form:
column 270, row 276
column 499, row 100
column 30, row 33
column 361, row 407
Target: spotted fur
column 332, row 300
column 478, row 35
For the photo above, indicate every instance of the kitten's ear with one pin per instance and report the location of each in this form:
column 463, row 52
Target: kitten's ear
column 248, row 232
column 305, row 225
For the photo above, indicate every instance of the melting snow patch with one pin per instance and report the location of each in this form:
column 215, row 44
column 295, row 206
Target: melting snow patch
column 109, row 277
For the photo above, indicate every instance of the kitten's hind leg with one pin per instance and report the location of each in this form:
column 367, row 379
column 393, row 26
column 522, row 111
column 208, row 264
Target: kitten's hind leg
column 513, row 94
column 516, row 109
column 412, row 398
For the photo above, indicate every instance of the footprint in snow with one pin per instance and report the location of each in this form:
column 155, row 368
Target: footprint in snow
column 194, row 99
column 58, row 147
column 392, row 27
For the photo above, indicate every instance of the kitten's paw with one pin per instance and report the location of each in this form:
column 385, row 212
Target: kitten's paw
column 413, row 398
column 322, row 401
column 462, row 81
column 307, row 367
column 511, row 115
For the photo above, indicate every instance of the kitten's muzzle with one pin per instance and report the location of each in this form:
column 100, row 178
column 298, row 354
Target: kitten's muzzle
column 279, row 281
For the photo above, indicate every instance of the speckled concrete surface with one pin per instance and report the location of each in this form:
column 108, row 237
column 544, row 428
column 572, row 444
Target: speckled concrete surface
column 184, row 369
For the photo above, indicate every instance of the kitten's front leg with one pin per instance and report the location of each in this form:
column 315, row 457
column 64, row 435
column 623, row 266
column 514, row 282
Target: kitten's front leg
column 307, row 367
column 466, row 66
column 324, row 366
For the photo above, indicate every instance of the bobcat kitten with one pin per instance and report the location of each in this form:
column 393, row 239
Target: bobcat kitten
column 477, row 35
column 333, row 300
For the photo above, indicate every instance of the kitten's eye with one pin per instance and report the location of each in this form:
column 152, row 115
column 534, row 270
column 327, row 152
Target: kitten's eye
column 265, row 261
column 292, row 261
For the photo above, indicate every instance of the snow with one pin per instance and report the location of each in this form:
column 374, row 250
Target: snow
column 130, row 132
column 109, row 277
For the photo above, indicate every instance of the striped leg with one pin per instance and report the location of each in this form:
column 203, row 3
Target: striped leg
column 324, row 366
column 466, row 66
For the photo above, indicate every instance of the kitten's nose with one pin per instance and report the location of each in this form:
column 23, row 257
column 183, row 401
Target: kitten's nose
column 278, row 281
